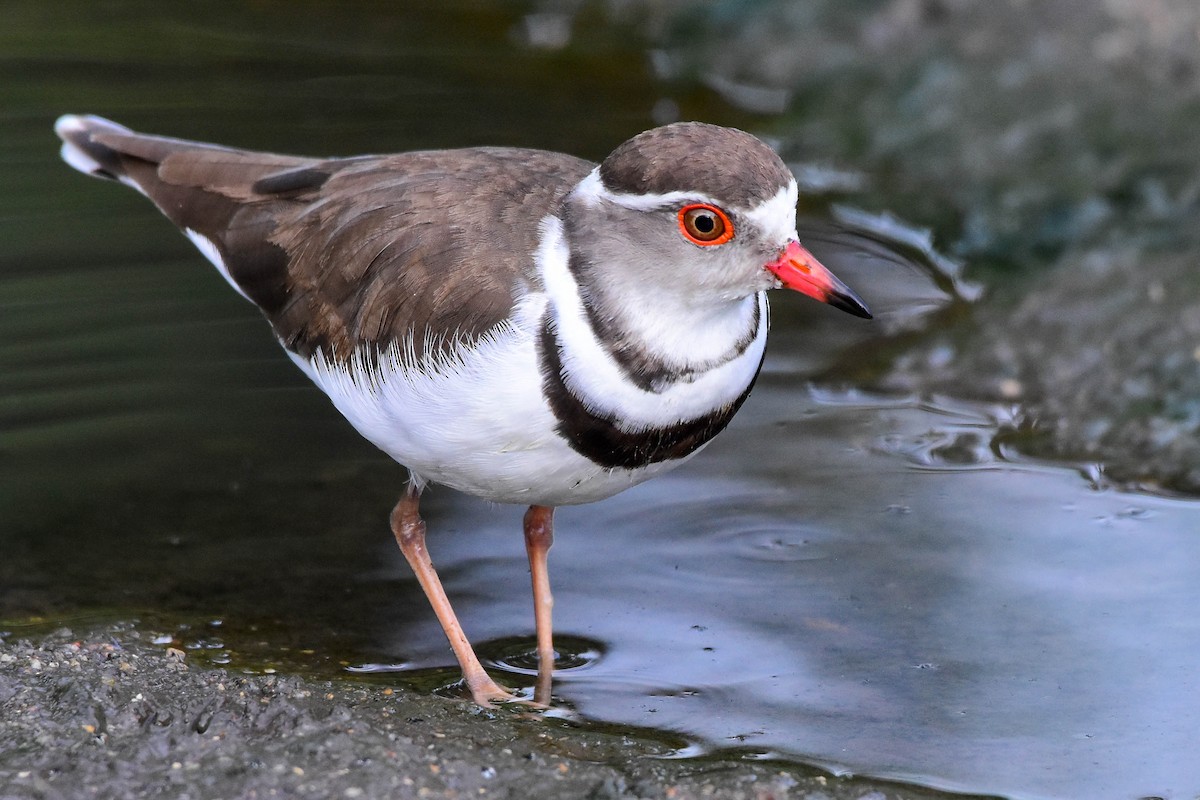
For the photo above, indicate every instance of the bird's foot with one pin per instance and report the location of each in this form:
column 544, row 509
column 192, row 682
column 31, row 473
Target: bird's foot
column 487, row 693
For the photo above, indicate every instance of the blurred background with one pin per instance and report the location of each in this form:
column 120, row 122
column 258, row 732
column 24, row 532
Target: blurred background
column 974, row 517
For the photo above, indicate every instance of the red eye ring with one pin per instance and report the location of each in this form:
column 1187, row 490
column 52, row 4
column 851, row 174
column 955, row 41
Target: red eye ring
column 705, row 225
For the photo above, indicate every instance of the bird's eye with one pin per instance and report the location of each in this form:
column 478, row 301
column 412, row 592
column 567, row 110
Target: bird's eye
column 705, row 225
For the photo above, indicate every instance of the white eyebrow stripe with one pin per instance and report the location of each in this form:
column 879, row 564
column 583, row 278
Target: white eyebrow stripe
column 776, row 216
column 591, row 190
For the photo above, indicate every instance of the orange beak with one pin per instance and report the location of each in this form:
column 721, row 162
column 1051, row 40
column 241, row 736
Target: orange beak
column 797, row 269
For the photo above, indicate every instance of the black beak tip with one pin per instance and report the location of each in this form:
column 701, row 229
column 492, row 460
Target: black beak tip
column 849, row 302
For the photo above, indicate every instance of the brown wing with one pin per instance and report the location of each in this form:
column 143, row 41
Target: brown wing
column 355, row 253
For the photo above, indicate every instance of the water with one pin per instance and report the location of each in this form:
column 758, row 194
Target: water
column 825, row 585
column 869, row 582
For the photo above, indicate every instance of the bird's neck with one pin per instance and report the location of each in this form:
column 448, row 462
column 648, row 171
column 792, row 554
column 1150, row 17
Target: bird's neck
column 658, row 336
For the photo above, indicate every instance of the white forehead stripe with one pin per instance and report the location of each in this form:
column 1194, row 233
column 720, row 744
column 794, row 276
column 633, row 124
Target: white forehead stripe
column 776, row 217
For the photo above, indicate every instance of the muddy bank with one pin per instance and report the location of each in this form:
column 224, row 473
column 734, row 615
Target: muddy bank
column 108, row 714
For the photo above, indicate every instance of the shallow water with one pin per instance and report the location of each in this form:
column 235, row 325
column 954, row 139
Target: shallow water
column 858, row 582
column 876, row 584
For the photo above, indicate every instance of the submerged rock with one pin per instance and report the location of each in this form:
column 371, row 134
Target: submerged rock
column 1103, row 358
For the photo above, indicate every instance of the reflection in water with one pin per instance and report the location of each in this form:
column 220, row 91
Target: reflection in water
column 517, row 654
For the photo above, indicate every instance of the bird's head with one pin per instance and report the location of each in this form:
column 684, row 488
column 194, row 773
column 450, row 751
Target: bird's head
column 706, row 211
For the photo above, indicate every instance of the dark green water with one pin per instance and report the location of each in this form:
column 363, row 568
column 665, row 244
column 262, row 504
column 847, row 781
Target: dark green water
column 869, row 582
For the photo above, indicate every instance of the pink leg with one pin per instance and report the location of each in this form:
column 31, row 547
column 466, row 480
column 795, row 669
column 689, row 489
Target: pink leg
column 409, row 529
column 539, row 536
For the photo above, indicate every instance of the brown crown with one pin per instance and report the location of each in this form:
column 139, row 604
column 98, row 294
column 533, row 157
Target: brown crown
column 726, row 164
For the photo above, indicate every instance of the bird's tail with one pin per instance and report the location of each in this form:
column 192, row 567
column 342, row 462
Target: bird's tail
column 150, row 164
column 86, row 154
column 201, row 188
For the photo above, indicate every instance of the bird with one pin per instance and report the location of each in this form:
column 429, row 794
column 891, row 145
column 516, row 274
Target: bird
column 524, row 326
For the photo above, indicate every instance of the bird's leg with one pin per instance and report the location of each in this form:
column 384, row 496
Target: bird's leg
column 409, row 529
column 539, row 536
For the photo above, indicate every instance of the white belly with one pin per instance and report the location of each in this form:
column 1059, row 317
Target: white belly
column 477, row 423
